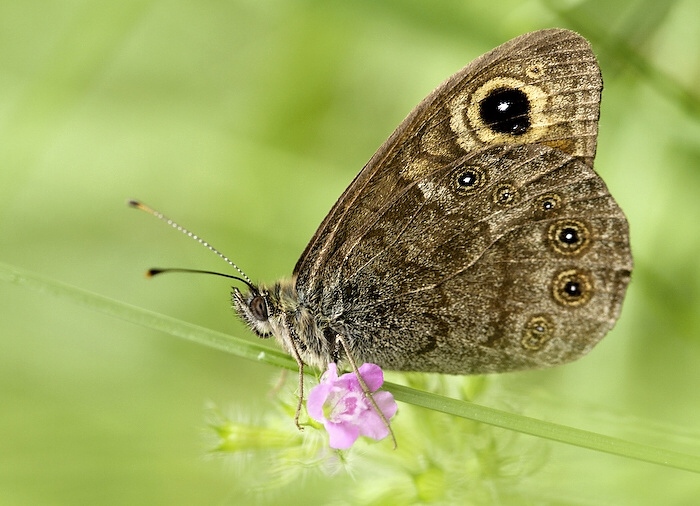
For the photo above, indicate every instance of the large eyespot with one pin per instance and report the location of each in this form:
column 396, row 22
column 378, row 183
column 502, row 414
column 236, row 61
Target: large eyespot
column 258, row 308
column 501, row 110
column 569, row 237
column 506, row 111
column 538, row 330
column 468, row 179
column 572, row 288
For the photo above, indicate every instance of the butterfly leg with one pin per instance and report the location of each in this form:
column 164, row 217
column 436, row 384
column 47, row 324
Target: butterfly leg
column 295, row 352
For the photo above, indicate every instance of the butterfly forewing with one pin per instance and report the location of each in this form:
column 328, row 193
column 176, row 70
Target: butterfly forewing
column 557, row 72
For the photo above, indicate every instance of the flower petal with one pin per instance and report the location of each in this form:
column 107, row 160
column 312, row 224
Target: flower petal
column 373, row 376
column 341, row 435
column 331, row 374
column 316, row 399
column 386, row 403
column 371, row 424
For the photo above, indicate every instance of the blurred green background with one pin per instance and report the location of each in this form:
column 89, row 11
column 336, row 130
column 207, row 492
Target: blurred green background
column 244, row 121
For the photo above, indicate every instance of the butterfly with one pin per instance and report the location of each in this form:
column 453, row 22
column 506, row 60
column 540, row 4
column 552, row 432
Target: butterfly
column 477, row 239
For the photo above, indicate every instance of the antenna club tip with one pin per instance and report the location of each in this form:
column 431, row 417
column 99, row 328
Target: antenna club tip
column 153, row 272
column 137, row 204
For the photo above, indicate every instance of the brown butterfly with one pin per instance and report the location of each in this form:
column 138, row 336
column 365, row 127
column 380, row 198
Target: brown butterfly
column 477, row 239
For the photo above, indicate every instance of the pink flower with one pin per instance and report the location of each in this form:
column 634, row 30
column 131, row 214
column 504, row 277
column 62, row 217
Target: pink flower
column 342, row 407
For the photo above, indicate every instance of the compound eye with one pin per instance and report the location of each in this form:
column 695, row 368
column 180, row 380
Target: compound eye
column 258, row 308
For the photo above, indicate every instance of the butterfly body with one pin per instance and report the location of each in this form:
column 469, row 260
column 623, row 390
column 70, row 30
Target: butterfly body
column 477, row 239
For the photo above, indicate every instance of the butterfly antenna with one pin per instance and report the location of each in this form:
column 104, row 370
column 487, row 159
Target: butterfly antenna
column 143, row 207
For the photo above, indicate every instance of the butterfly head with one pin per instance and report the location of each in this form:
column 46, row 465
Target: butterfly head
column 255, row 308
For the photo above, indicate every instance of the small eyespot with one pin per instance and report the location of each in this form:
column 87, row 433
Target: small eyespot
column 569, row 237
column 505, row 195
column 258, row 308
column 537, row 331
column 535, row 71
column 506, row 111
column 468, row 179
column 572, row 288
column 547, row 203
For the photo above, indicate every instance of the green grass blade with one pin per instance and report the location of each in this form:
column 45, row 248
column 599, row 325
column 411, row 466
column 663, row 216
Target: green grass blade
column 218, row 340
column 547, row 430
column 255, row 351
